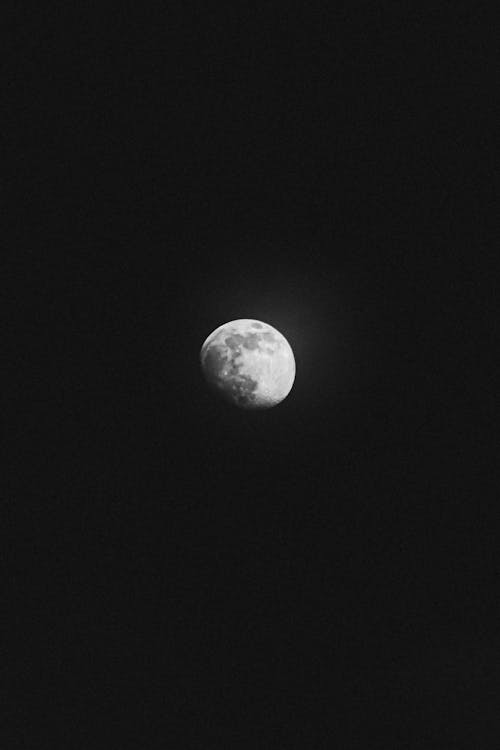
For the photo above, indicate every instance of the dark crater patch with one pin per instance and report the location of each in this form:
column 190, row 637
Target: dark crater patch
column 223, row 374
column 257, row 325
column 219, row 367
column 215, row 362
column 234, row 341
column 251, row 340
column 248, row 340
column 242, row 391
column 268, row 336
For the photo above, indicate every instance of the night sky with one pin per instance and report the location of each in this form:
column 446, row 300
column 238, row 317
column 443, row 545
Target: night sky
column 185, row 574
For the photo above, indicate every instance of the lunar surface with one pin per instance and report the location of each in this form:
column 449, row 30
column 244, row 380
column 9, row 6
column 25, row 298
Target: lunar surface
column 250, row 363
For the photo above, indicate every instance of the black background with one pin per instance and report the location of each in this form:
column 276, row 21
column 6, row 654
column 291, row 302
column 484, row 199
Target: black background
column 187, row 575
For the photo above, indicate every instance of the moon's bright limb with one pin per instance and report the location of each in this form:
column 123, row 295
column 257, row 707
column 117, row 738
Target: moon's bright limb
column 249, row 362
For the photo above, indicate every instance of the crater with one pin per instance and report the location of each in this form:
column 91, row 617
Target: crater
column 242, row 391
column 268, row 336
column 215, row 361
column 251, row 341
column 234, row 341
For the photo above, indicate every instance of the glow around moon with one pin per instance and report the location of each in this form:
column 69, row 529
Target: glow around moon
column 249, row 362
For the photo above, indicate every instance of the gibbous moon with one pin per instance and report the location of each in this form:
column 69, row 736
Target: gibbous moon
column 249, row 362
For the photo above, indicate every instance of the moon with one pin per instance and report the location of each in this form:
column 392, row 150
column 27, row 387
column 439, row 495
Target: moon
column 249, row 363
